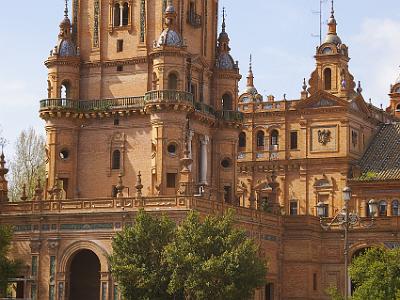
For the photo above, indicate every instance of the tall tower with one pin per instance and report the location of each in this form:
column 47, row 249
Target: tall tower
column 130, row 84
column 394, row 95
column 332, row 72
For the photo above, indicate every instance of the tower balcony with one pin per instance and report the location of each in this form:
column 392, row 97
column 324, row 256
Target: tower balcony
column 90, row 106
column 169, row 96
column 231, row 116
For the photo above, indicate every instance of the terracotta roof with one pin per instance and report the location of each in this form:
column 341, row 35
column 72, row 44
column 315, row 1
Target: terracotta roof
column 381, row 161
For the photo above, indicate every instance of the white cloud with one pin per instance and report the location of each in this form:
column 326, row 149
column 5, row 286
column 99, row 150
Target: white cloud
column 376, row 57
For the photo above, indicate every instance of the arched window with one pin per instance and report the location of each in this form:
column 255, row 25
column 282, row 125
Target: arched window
column 65, row 90
column 260, row 139
column 172, row 81
column 116, row 160
column 125, row 14
column 117, row 15
column 242, row 140
column 328, row 79
column 395, row 208
column 274, row 138
column 227, row 102
column 398, row 107
column 382, row 208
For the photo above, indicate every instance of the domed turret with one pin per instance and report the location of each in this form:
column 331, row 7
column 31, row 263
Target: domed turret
column 65, row 46
column 332, row 37
column 250, row 88
column 170, row 37
column 224, row 59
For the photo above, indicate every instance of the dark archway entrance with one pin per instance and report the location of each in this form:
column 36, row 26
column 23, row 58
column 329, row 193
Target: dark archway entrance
column 84, row 276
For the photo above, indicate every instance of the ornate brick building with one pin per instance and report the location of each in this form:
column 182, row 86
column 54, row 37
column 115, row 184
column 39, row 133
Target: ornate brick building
column 143, row 111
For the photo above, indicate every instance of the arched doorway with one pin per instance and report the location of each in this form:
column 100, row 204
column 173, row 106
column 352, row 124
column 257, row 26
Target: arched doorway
column 84, row 280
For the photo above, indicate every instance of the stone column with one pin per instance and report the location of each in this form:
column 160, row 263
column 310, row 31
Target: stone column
column 190, row 138
column 121, row 14
column 204, row 160
column 389, row 208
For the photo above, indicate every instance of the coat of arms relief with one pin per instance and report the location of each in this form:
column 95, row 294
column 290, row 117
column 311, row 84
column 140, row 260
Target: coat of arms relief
column 324, row 136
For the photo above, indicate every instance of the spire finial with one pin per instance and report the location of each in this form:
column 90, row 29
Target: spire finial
column 66, row 9
column 250, row 76
column 333, row 9
column 251, row 63
column 223, row 19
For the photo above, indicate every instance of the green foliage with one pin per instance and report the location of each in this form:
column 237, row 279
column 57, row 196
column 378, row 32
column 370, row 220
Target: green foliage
column 8, row 268
column 334, row 294
column 370, row 175
column 207, row 259
column 213, row 260
column 376, row 275
column 137, row 262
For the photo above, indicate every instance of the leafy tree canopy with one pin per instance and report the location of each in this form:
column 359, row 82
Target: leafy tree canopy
column 8, row 268
column 208, row 259
column 137, row 258
column 214, row 260
column 376, row 274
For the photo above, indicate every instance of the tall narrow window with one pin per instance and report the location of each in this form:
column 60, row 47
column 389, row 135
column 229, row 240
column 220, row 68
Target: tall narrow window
column 242, row 140
column 193, row 90
column 293, row 140
column 293, row 208
column 117, row 15
column 315, row 282
column 120, row 45
column 227, row 194
column 227, row 102
column 274, row 137
column 395, row 208
column 125, row 14
column 154, row 82
column 171, row 180
column 260, row 139
column 383, row 208
column 328, row 79
column 172, row 81
column 116, row 160
column 269, row 291
column 65, row 90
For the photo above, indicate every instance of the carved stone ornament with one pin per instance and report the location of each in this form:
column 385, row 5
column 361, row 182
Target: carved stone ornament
column 35, row 245
column 324, row 136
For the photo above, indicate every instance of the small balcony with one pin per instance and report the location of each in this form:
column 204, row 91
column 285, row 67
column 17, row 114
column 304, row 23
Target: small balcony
column 168, row 96
column 91, row 105
column 231, row 116
column 204, row 108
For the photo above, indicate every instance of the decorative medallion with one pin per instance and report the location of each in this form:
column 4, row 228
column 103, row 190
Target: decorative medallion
column 324, row 136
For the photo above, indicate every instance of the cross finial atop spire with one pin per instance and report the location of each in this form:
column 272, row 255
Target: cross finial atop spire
column 223, row 19
column 66, row 9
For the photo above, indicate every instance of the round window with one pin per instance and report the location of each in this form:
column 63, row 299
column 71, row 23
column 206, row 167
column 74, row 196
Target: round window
column 172, row 148
column 64, row 154
column 226, row 163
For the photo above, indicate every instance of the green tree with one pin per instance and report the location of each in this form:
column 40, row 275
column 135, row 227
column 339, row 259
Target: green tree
column 8, row 268
column 28, row 164
column 376, row 274
column 213, row 260
column 137, row 261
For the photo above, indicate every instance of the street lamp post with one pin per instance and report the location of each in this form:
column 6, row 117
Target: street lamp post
column 346, row 220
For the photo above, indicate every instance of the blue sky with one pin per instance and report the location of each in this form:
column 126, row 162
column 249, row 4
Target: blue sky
column 277, row 32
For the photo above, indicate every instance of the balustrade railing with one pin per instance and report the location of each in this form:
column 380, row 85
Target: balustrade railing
column 92, row 105
column 168, row 96
column 231, row 115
